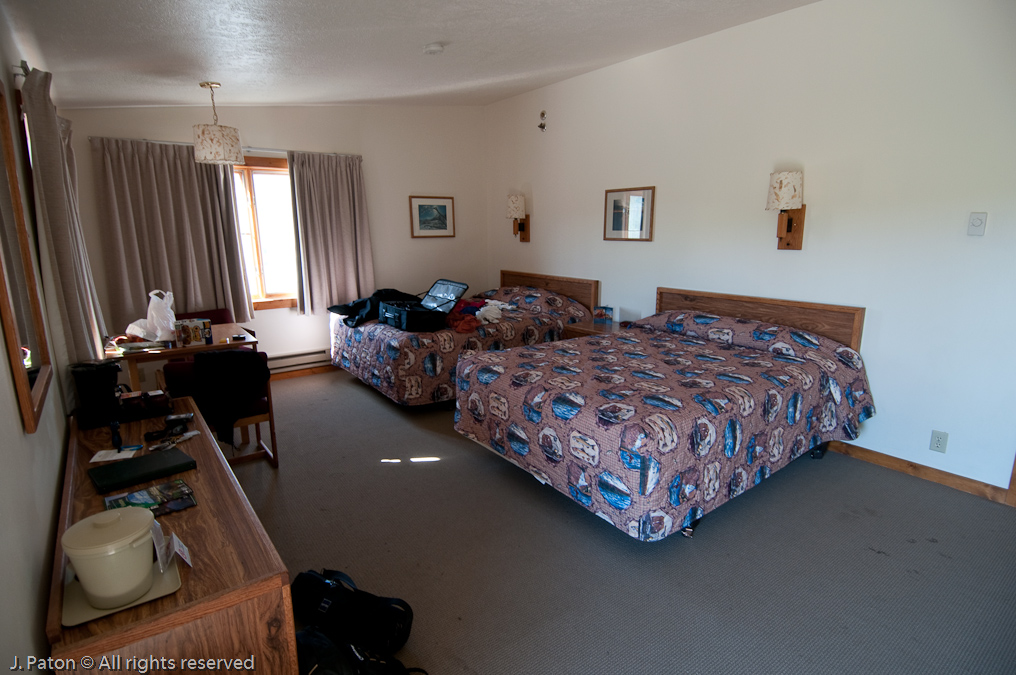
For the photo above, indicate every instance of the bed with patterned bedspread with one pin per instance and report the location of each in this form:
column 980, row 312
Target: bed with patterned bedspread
column 418, row 368
column 654, row 426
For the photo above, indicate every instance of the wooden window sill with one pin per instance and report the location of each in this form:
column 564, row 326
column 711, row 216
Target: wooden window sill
column 274, row 303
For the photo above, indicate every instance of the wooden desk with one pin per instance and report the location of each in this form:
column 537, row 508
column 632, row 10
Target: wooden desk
column 233, row 603
column 220, row 332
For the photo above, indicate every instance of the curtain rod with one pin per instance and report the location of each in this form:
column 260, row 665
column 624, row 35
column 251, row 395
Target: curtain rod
column 246, row 148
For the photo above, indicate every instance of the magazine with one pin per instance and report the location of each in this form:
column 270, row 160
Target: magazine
column 175, row 495
column 603, row 314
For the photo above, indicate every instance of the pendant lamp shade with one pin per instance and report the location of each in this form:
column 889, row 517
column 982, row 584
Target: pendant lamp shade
column 213, row 143
column 216, row 144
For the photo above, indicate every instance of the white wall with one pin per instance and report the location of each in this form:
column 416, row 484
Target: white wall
column 899, row 113
column 407, row 151
column 29, row 483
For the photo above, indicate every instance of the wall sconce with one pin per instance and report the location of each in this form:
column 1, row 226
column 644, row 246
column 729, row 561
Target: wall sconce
column 786, row 194
column 215, row 144
column 520, row 219
column 542, row 126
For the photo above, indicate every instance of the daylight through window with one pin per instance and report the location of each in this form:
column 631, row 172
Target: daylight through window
column 265, row 212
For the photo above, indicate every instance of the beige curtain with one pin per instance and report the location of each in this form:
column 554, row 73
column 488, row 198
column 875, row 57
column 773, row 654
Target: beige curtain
column 170, row 224
column 332, row 230
column 56, row 190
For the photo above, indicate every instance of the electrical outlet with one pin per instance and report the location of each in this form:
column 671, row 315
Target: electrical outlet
column 939, row 439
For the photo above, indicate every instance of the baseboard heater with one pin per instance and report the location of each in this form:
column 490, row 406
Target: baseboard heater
column 285, row 362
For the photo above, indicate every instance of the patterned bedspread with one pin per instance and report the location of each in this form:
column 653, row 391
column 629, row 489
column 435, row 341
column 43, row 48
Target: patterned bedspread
column 418, row 368
column 653, row 427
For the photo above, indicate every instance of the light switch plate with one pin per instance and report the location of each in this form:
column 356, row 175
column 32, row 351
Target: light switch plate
column 977, row 223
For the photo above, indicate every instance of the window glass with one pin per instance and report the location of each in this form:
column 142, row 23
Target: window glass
column 265, row 213
column 275, row 229
column 247, row 242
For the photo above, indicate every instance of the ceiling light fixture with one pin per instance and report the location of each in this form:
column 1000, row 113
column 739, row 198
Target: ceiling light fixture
column 214, row 144
column 434, row 48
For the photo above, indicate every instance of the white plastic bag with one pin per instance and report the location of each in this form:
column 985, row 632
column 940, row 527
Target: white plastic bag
column 159, row 324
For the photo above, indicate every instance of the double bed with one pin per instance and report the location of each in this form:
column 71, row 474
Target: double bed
column 655, row 425
column 418, row 368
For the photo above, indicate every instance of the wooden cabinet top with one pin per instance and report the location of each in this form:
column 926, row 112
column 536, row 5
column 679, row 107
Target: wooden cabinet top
column 232, row 555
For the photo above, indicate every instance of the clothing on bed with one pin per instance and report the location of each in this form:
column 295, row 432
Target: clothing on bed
column 654, row 426
column 418, row 368
column 363, row 310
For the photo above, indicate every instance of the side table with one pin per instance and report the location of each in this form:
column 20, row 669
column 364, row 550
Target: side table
column 574, row 330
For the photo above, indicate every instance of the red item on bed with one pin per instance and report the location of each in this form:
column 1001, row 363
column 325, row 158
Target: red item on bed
column 462, row 318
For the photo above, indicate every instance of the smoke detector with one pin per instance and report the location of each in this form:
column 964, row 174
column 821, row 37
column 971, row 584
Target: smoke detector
column 434, row 48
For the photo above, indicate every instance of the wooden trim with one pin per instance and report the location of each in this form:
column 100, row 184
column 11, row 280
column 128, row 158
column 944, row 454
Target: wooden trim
column 836, row 322
column 302, row 372
column 1011, row 497
column 31, row 398
column 586, row 291
column 274, row 303
column 985, row 490
column 280, row 163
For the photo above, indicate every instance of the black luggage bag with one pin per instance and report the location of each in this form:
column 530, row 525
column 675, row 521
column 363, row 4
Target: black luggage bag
column 426, row 315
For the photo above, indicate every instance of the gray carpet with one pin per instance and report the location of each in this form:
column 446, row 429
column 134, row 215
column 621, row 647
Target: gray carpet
column 831, row 566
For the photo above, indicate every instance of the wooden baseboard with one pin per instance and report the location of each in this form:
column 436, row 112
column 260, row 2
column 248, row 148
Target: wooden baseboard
column 992, row 492
column 1011, row 499
column 303, row 371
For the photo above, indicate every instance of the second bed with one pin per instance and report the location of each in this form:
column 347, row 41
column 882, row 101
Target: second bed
column 417, row 368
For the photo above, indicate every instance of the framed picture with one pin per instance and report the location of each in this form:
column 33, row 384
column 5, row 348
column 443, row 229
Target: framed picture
column 628, row 214
column 432, row 216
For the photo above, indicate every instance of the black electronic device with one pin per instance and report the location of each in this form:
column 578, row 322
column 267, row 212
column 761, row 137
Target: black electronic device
column 127, row 472
column 95, row 382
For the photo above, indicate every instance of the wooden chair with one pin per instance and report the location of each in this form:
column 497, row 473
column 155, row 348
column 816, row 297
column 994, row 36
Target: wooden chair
column 228, row 385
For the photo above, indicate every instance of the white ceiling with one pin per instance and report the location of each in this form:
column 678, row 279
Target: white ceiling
column 154, row 52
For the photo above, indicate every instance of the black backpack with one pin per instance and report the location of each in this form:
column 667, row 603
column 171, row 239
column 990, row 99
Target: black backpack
column 332, row 603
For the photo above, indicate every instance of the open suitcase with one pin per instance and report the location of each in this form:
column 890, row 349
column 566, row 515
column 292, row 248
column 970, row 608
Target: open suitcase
column 426, row 315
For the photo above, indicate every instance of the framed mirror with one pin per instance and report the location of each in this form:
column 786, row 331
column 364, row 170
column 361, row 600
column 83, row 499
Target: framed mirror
column 628, row 214
column 20, row 305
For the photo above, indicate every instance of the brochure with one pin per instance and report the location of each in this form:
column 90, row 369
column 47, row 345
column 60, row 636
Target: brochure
column 175, row 495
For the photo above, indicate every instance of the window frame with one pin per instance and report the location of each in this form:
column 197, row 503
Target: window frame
column 270, row 165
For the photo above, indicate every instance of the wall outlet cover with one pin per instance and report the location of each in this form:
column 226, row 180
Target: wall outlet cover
column 939, row 440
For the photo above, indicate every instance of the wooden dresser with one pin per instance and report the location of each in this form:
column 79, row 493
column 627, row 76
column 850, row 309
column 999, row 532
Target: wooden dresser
column 234, row 603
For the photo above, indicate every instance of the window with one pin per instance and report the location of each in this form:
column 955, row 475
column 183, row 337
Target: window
column 265, row 210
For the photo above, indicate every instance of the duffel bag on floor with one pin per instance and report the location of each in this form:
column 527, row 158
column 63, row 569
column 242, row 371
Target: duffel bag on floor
column 331, row 601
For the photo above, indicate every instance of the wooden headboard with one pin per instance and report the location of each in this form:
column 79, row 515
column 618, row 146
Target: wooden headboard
column 586, row 291
column 837, row 322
